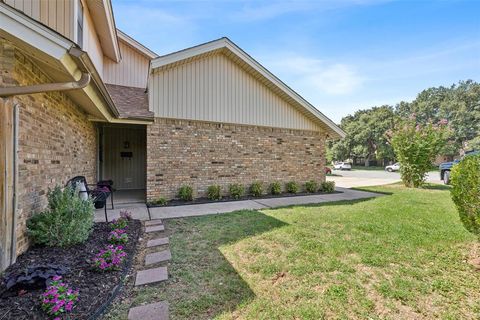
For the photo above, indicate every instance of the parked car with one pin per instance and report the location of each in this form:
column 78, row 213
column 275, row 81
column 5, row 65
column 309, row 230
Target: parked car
column 342, row 166
column 328, row 170
column 446, row 167
column 393, row 167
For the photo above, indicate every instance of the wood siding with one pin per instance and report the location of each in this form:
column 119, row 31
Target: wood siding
column 91, row 43
column 132, row 71
column 56, row 14
column 126, row 173
column 215, row 88
column 60, row 15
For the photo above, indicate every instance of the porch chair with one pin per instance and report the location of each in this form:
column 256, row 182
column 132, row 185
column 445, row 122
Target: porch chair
column 99, row 194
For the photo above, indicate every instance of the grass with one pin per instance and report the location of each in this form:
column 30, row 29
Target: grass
column 399, row 256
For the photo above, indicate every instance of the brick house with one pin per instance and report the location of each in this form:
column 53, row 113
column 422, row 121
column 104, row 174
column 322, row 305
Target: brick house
column 205, row 115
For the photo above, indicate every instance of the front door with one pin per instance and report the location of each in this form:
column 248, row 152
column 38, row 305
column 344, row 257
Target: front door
column 124, row 156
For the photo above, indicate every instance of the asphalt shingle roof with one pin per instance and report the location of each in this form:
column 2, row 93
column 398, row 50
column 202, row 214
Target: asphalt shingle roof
column 131, row 102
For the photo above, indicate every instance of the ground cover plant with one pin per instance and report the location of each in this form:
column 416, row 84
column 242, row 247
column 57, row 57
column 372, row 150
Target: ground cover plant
column 399, row 256
column 75, row 265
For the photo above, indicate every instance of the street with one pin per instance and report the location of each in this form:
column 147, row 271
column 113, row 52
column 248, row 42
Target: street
column 359, row 178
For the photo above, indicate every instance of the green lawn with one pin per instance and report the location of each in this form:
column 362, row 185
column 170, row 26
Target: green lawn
column 400, row 256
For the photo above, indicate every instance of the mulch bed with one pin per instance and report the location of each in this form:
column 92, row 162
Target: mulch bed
column 96, row 288
column 178, row 202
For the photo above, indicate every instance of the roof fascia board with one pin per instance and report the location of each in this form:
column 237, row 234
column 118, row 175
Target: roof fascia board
column 226, row 43
column 188, row 53
column 101, row 13
column 136, row 45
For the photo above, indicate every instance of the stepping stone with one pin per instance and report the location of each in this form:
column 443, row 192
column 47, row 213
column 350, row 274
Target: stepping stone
column 157, row 242
column 156, row 228
column 153, row 222
column 154, row 311
column 151, row 276
column 157, row 257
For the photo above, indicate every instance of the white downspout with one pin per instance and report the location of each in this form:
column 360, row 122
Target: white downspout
column 47, row 87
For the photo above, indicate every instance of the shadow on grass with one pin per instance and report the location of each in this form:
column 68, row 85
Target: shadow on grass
column 434, row 186
column 203, row 284
column 325, row 204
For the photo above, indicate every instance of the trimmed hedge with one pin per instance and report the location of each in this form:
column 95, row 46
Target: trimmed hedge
column 465, row 180
column 214, row 192
column 236, row 190
column 292, row 187
column 256, row 189
column 185, row 193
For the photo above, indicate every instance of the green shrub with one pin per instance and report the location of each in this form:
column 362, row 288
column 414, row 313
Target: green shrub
column 256, row 189
column 416, row 145
column 185, row 193
column 214, row 192
column 236, row 190
column 291, row 187
column 68, row 219
column 327, row 186
column 311, row 186
column 160, row 201
column 465, row 180
column 275, row 188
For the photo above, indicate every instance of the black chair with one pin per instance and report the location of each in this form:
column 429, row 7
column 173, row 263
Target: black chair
column 99, row 194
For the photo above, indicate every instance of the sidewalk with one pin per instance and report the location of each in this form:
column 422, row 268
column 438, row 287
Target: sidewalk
column 225, row 207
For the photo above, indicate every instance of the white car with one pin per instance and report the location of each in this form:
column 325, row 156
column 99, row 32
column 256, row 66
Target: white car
column 342, row 166
column 393, row 167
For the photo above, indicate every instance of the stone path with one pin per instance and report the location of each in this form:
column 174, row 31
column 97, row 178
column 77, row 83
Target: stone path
column 157, row 310
column 229, row 206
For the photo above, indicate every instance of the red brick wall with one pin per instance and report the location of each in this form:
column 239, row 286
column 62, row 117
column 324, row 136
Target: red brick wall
column 201, row 154
column 56, row 140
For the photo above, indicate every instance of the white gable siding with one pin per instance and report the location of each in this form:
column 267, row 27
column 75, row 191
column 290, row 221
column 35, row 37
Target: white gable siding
column 215, row 88
column 57, row 14
column 131, row 71
column 91, row 43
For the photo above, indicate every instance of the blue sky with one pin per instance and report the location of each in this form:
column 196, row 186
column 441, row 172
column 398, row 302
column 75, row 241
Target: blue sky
column 341, row 55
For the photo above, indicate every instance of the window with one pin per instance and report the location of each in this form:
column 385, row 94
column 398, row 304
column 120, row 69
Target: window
column 80, row 24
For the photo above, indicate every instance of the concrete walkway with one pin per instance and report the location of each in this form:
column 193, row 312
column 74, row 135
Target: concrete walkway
column 138, row 210
column 225, row 207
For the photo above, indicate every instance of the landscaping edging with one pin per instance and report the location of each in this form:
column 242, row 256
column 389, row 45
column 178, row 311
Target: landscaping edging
column 97, row 290
column 178, row 202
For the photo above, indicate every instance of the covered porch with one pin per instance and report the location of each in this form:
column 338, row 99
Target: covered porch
column 122, row 159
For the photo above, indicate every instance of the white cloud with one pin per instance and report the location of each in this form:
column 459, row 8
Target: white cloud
column 259, row 10
column 310, row 73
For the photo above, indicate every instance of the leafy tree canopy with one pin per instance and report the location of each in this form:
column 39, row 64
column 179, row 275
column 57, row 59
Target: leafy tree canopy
column 458, row 104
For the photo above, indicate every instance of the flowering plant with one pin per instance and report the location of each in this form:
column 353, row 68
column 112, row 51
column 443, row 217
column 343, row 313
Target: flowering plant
column 118, row 236
column 110, row 258
column 120, row 223
column 416, row 146
column 58, row 298
column 124, row 214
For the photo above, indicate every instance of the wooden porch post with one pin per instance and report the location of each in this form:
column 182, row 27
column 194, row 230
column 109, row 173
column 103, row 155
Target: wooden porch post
column 7, row 181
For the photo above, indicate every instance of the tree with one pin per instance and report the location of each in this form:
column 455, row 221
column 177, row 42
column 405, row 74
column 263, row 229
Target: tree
column 416, row 146
column 365, row 135
column 459, row 104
